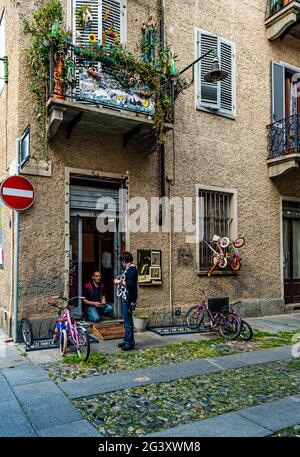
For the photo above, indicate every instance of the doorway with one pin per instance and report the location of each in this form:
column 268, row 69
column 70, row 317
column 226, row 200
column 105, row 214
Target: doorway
column 90, row 249
column 291, row 252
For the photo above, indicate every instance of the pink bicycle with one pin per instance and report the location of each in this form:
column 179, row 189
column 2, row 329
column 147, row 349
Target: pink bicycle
column 68, row 329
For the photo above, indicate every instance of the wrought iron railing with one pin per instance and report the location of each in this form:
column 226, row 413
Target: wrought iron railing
column 96, row 83
column 273, row 6
column 284, row 137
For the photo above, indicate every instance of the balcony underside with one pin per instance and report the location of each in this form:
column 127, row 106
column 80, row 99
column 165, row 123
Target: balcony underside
column 101, row 119
column 284, row 22
column 279, row 166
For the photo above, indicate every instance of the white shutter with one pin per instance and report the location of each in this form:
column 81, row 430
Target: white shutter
column 209, row 94
column 227, row 59
column 278, row 91
column 94, row 27
column 112, row 18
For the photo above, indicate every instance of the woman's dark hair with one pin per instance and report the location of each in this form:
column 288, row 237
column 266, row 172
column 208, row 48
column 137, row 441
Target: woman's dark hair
column 127, row 257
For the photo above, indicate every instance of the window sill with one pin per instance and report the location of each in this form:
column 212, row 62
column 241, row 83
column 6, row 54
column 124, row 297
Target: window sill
column 216, row 112
column 218, row 273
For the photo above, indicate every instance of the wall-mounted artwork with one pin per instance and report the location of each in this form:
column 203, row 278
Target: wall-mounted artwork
column 149, row 267
column 101, row 87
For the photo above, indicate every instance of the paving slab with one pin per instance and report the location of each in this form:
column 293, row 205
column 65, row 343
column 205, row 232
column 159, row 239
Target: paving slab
column 226, row 425
column 127, row 379
column 6, row 394
column 13, row 421
column 110, row 383
column 172, row 372
column 27, row 374
column 276, row 415
column 45, row 405
column 79, row 429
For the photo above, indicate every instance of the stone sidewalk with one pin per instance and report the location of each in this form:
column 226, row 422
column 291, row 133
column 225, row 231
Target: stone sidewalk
column 32, row 405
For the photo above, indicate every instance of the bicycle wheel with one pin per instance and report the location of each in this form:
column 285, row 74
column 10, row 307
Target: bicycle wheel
column 224, row 242
column 239, row 243
column 63, row 341
column 194, row 317
column 223, row 263
column 235, row 265
column 83, row 348
column 230, row 326
column 26, row 330
column 246, row 332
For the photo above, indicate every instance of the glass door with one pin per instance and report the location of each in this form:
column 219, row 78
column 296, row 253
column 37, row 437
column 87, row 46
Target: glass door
column 291, row 260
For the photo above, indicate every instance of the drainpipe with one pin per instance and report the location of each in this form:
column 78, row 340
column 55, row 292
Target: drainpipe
column 16, row 254
column 162, row 24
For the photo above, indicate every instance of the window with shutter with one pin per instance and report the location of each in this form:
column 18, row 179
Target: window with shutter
column 108, row 16
column 219, row 96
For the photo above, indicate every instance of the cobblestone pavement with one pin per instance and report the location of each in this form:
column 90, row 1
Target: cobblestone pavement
column 143, row 410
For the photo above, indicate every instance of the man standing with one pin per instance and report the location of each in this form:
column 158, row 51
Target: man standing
column 95, row 300
column 128, row 292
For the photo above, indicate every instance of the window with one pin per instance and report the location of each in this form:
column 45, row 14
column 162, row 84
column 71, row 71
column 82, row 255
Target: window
column 2, row 51
column 218, row 216
column 108, row 21
column 218, row 97
column 285, row 91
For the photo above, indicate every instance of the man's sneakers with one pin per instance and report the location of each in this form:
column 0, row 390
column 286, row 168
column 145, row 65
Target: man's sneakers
column 121, row 345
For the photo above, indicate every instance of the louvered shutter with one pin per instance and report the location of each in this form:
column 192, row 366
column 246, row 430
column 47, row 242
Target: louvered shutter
column 227, row 91
column 278, row 92
column 209, row 94
column 94, row 27
column 112, row 17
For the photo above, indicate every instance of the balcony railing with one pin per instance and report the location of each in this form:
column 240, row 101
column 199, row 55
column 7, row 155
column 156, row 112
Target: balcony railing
column 284, row 137
column 96, row 84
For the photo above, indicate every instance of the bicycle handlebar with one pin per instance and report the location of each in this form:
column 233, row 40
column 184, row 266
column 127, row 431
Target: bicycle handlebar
column 68, row 300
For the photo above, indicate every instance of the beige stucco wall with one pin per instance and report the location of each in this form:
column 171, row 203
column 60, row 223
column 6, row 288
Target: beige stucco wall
column 209, row 150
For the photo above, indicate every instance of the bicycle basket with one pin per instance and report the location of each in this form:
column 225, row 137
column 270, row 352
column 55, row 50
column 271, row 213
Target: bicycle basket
column 220, row 305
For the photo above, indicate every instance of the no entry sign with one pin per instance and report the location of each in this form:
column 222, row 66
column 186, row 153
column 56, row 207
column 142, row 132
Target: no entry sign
column 17, row 193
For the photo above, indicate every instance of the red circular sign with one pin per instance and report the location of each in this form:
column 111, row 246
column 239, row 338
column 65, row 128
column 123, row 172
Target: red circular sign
column 17, row 193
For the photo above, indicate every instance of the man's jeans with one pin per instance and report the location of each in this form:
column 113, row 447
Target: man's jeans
column 128, row 325
column 93, row 314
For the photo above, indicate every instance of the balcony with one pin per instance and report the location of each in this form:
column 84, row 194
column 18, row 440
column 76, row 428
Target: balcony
column 283, row 146
column 283, row 18
column 101, row 98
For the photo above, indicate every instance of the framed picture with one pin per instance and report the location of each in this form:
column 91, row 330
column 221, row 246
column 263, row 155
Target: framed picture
column 149, row 267
column 155, row 273
column 155, row 258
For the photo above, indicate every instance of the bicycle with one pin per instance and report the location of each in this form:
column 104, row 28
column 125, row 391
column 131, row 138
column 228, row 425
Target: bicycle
column 246, row 332
column 69, row 331
column 225, row 252
column 229, row 324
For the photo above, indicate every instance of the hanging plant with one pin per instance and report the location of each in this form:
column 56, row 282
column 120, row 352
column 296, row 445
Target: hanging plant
column 84, row 16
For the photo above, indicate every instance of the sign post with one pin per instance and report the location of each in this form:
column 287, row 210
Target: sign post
column 18, row 194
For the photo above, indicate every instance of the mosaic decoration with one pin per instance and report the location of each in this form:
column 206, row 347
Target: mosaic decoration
column 101, row 87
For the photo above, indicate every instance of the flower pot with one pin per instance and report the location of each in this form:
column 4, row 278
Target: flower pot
column 140, row 324
column 58, row 87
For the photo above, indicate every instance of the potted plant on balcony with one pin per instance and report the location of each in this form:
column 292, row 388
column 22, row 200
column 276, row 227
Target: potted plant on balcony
column 140, row 320
column 277, row 5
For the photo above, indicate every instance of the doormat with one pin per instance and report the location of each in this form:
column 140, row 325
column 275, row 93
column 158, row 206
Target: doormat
column 108, row 330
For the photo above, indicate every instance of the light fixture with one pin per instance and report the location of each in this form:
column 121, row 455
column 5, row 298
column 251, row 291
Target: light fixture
column 216, row 74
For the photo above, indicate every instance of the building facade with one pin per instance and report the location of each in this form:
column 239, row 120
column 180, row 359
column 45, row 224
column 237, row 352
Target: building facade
column 216, row 147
